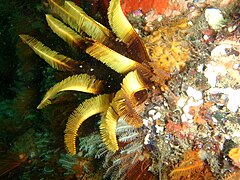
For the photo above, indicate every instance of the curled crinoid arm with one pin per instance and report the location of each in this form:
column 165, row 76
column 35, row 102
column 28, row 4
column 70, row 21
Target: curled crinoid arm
column 126, row 109
column 108, row 129
column 133, row 85
column 127, row 99
column 82, row 82
column 88, row 108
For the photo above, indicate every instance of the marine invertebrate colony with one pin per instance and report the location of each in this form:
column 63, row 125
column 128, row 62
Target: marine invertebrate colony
column 155, row 115
column 127, row 55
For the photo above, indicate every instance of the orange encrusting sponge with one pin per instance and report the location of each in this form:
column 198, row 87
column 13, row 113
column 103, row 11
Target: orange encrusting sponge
column 159, row 6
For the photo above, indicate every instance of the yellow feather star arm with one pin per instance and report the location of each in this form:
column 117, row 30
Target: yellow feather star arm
column 81, row 82
column 91, row 27
column 85, row 110
column 111, row 58
column 53, row 58
column 125, row 109
column 132, row 84
column 75, row 17
column 127, row 99
column 124, row 30
column 108, row 129
column 67, row 34
column 119, row 23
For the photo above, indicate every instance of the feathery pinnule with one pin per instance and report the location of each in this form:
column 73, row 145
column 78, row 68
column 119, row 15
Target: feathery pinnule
column 125, row 31
column 85, row 110
column 77, row 19
column 53, row 58
column 94, row 48
column 126, row 101
column 108, row 129
column 70, row 36
column 114, row 60
column 81, row 82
